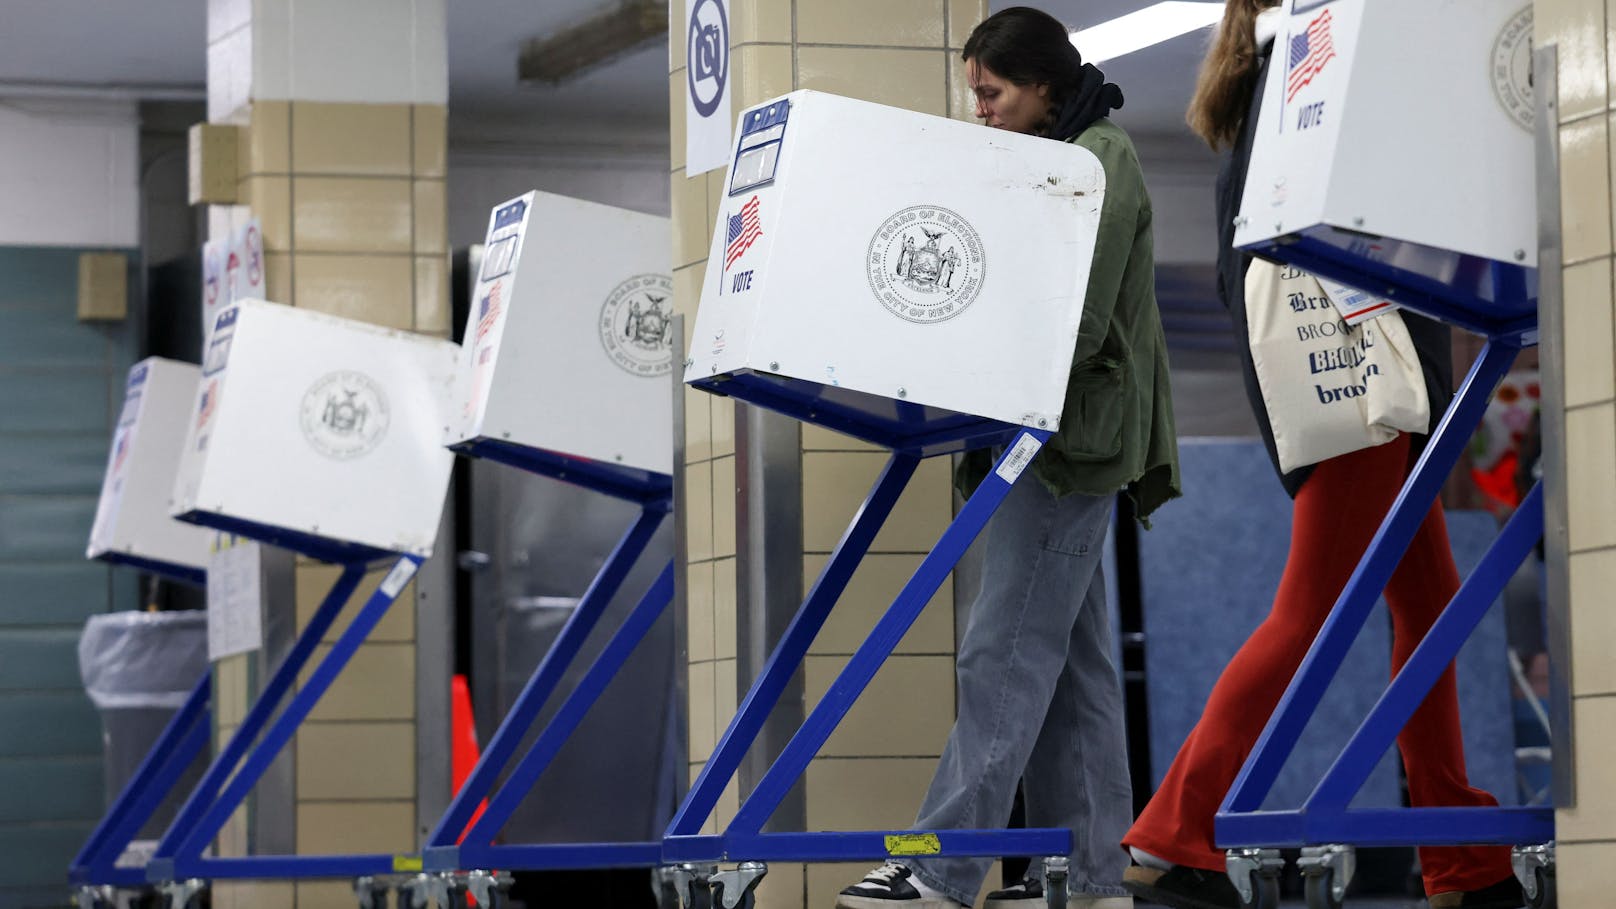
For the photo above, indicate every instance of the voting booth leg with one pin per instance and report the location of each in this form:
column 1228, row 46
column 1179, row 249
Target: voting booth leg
column 187, row 860
column 280, row 681
column 743, row 839
column 179, row 744
column 788, row 655
column 452, row 826
column 477, row 850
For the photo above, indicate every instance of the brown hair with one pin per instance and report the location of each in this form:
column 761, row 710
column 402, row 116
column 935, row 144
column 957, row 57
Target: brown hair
column 1027, row 46
column 1228, row 75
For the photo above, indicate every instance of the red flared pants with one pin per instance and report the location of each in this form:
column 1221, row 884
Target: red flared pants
column 1335, row 515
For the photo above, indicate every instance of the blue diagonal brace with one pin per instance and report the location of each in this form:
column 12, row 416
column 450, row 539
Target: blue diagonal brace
column 545, row 678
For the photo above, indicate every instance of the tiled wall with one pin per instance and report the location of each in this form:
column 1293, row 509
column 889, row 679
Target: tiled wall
column 874, row 770
column 1582, row 31
column 61, row 382
column 348, row 180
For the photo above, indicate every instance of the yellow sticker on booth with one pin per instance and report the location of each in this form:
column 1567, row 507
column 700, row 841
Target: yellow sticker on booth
column 914, row 844
column 405, row 863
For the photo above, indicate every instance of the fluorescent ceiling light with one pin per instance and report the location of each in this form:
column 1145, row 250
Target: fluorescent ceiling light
column 1138, row 30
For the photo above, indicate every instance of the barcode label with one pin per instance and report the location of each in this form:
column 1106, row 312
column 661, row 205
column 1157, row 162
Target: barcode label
column 1019, row 457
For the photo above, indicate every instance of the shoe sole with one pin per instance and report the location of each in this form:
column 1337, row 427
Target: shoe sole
column 1169, row 899
column 1072, row 902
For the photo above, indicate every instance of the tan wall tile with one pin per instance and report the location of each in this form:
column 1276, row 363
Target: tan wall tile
column 782, row 888
column 375, row 289
column 703, row 717
column 431, row 217
column 1593, row 578
column 699, row 597
column 726, row 697
column 761, row 72
column 715, row 197
column 356, row 761
column 230, row 693
column 1578, row 27
column 1585, row 210
column 232, row 839
column 222, row 735
column 431, row 129
column 897, row 23
column 687, row 281
column 377, row 684
column 963, row 16
column 676, row 120
column 725, row 607
column 352, row 139
column 818, row 438
column 315, row 581
column 690, row 221
column 1586, row 874
column 870, row 794
column 841, row 480
column 924, row 685
column 698, row 425
column 961, row 100
column 874, row 586
column 710, row 828
column 1590, row 445
column 278, row 277
column 729, row 801
column 724, row 506
column 270, row 199
column 698, row 511
column 1590, row 337
column 352, row 215
column 269, row 140
column 912, row 79
column 760, row 20
column 338, row 828
column 723, row 426
column 433, row 309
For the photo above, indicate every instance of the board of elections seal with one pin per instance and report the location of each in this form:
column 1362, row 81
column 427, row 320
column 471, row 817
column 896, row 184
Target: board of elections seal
column 1511, row 67
column 636, row 325
column 926, row 264
column 344, row 415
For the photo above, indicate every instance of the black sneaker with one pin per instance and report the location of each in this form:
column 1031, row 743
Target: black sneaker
column 1029, row 894
column 1182, row 887
column 890, row 886
column 1506, row 894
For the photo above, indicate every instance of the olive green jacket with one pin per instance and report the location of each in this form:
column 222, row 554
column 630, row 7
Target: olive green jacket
column 1116, row 431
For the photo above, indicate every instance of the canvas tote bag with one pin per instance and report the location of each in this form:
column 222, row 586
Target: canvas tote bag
column 1329, row 388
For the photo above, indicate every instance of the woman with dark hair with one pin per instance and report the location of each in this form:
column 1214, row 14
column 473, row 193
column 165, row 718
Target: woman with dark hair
column 1039, row 698
column 1339, row 504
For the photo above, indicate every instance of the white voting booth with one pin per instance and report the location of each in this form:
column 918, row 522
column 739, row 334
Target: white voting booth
column 1356, row 153
column 570, row 336
column 901, row 255
column 566, row 372
column 315, row 432
column 919, row 283
column 132, row 523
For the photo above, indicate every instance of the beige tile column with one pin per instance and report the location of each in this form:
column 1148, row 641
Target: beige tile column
column 1587, row 833
column 341, row 155
column 874, row 770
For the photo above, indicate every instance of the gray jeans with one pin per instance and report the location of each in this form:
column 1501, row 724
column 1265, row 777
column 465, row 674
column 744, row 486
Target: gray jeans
column 1039, row 698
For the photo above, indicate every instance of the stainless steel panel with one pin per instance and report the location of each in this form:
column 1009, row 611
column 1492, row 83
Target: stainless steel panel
column 1551, row 367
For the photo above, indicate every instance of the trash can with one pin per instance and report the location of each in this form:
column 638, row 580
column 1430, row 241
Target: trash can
column 138, row 668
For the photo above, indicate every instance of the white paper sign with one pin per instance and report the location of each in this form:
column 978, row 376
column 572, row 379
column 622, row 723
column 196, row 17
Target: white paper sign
column 707, row 77
column 235, row 623
column 232, row 269
column 1354, row 305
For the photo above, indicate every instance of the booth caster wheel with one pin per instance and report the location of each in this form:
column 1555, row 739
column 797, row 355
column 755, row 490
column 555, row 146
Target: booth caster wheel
column 1326, row 871
column 1255, row 875
column 693, row 883
column 1534, row 868
column 734, row 889
column 1056, row 868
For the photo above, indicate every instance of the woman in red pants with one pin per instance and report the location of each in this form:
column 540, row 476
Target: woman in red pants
column 1339, row 505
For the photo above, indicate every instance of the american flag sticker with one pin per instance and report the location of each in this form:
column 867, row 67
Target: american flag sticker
column 1310, row 50
column 744, row 230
